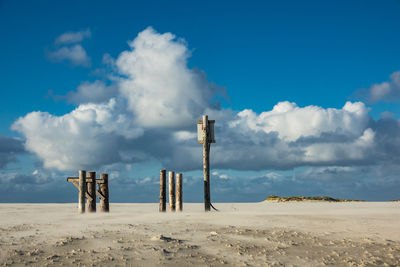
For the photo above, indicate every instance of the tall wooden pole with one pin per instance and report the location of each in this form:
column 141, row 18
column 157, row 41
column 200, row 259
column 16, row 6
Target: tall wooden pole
column 104, row 203
column 91, row 190
column 82, row 191
column 179, row 191
column 171, row 188
column 163, row 193
column 206, row 164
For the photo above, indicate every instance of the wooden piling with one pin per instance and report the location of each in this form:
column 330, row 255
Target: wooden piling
column 91, row 190
column 163, row 193
column 103, row 190
column 82, row 191
column 206, row 164
column 171, row 191
column 179, row 191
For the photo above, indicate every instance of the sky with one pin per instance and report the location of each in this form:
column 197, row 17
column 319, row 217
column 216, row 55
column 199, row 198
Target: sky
column 305, row 96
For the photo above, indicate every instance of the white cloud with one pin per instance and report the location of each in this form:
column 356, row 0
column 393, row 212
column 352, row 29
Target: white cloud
column 386, row 91
column 10, row 147
column 387, row 115
column 69, row 48
column 161, row 90
column 24, row 181
column 220, row 175
column 286, row 137
column 76, row 54
column 73, row 37
column 150, row 113
column 92, row 92
column 328, row 152
column 223, row 176
column 88, row 136
column 292, row 122
column 145, row 180
column 158, row 90
column 273, row 176
column 185, row 135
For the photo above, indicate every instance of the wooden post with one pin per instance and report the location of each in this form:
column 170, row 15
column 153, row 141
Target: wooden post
column 206, row 164
column 82, row 191
column 103, row 188
column 163, row 193
column 179, row 191
column 171, row 191
column 91, row 190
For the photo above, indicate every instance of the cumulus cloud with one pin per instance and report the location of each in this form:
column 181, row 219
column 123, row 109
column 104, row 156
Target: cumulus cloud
column 273, row 176
column 387, row 140
column 286, row 137
column 68, row 48
column 92, row 92
column 37, row 186
column 387, row 91
column 18, row 180
column 75, row 54
column 161, row 90
column 149, row 112
column 73, row 37
column 9, row 148
column 291, row 122
column 220, row 175
column 88, row 136
column 156, row 92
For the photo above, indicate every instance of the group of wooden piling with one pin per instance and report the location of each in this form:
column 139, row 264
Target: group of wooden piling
column 87, row 185
column 175, row 204
column 87, row 189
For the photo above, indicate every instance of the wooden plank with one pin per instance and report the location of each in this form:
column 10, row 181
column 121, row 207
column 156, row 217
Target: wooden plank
column 88, row 180
column 76, row 185
column 201, row 122
column 86, row 194
column 100, row 195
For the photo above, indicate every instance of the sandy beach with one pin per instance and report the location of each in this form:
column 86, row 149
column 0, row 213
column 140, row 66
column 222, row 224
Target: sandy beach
column 241, row 234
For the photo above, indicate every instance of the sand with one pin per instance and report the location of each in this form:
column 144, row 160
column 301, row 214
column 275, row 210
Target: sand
column 241, row 234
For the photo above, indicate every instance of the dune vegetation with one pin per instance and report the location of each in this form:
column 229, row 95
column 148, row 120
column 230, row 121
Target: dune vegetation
column 274, row 198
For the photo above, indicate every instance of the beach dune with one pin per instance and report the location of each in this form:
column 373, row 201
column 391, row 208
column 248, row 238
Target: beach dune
column 241, row 234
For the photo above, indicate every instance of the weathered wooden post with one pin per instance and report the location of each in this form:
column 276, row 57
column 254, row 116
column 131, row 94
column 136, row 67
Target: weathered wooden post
column 103, row 190
column 163, row 193
column 179, row 191
column 206, row 164
column 171, row 188
column 82, row 191
column 205, row 133
column 91, row 190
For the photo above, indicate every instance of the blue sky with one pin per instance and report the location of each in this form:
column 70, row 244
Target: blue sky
column 245, row 56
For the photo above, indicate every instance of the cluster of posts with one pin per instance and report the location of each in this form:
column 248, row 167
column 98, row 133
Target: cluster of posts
column 87, row 184
column 174, row 203
column 87, row 189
